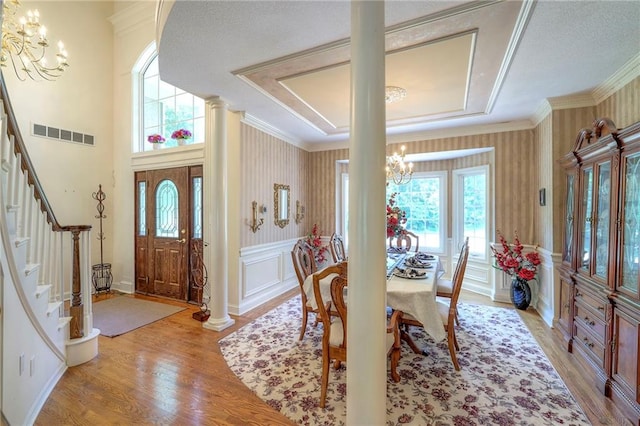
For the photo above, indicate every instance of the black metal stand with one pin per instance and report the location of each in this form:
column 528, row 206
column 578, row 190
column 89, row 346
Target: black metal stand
column 102, row 277
column 101, row 273
column 199, row 280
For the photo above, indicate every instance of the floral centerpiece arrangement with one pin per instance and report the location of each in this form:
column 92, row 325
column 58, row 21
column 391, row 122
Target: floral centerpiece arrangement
column 155, row 138
column 315, row 241
column 396, row 217
column 521, row 267
column 181, row 135
column 511, row 260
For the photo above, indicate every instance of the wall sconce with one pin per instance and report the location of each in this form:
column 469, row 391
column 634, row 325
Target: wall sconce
column 299, row 212
column 256, row 223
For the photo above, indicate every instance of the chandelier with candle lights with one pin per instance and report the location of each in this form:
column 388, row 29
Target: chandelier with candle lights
column 398, row 171
column 25, row 45
column 394, row 94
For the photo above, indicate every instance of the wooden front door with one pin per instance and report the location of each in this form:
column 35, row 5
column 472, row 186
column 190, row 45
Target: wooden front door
column 165, row 223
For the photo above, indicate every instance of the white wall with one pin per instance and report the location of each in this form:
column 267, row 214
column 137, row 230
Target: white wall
column 81, row 101
column 134, row 30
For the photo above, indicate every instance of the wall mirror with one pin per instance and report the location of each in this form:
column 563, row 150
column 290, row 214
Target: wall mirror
column 281, row 204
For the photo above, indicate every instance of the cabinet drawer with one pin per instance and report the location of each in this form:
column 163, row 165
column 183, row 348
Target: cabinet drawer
column 590, row 320
column 597, row 304
column 589, row 344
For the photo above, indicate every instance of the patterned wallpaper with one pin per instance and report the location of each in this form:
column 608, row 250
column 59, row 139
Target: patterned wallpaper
column 623, row 107
column 522, row 162
column 267, row 160
column 565, row 123
column 545, row 161
column 514, row 167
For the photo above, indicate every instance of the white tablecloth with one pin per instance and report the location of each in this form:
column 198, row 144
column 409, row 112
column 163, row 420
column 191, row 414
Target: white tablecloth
column 415, row 297
column 418, row 298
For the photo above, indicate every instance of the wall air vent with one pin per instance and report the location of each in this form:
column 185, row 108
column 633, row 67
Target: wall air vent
column 62, row 134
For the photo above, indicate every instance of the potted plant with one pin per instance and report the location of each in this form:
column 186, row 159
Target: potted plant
column 156, row 140
column 181, row 136
column 521, row 267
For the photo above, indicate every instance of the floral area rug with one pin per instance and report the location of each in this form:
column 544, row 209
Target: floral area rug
column 505, row 377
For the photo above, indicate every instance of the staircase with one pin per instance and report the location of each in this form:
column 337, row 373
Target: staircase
column 47, row 322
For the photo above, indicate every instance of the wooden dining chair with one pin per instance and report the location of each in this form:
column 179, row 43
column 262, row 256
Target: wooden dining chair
column 336, row 246
column 333, row 314
column 304, row 264
column 448, row 311
column 445, row 287
column 406, row 240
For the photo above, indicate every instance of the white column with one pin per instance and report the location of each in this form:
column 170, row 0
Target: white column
column 366, row 349
column 215, row 212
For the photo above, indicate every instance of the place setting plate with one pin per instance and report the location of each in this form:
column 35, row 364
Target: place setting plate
column 410, row 273
column 418, row 263
column 424, row 257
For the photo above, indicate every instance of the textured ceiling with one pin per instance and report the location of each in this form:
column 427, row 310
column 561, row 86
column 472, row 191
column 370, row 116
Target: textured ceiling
column 286, row 63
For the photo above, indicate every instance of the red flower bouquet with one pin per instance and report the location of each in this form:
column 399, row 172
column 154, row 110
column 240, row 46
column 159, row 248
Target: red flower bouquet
column 315, row 241
column 396, row 217
column 511, row 260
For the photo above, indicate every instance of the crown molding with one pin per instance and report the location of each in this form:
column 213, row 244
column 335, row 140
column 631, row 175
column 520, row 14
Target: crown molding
column 481, row 129
column 252, row 121
column 436, row 134
column 574, row 101
column 543, row 110
column 139, row 14
column 618, row 80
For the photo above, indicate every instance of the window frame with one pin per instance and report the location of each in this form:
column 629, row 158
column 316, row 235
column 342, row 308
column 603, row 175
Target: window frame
column 458, row 209
column 139, row 137
column 442, row 176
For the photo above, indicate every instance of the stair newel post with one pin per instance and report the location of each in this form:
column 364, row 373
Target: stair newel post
column 76, row 328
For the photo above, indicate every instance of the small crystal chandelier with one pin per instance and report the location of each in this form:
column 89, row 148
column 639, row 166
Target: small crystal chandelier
column 25, row 42
column 398, row 171
column 394, row 94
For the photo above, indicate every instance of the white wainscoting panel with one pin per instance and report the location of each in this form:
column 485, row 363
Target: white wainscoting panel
column 501, row 286
column 477, row 277
column 265, row 271
column 260, row 273
column 548, row 279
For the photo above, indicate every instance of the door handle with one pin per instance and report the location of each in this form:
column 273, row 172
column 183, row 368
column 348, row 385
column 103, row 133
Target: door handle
column 182, row 240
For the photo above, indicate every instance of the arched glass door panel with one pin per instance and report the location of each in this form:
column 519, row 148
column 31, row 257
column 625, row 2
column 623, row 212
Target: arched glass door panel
column 167, row 210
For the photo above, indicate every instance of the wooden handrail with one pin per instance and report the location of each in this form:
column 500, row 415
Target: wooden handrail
column 76, row 308
column 27, row 166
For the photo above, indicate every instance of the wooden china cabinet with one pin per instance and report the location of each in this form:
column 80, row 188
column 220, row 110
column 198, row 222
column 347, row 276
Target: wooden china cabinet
column 599, row 312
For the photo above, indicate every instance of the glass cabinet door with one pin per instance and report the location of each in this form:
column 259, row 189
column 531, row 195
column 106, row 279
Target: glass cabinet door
column 567, row 251
column 601, row 220
column 630, row 256
column 585, row 238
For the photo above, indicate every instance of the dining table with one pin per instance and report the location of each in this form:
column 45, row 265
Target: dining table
column 410, row 290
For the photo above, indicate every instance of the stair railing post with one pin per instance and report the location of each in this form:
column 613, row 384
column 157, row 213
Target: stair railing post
column 85, row 265
column 76, row 329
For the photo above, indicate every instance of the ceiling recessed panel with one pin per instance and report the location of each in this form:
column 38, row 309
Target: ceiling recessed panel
column 435, row 75
column 449, row 63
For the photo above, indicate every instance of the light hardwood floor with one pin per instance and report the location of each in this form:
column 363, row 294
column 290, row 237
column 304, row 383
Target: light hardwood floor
column 172, row 372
